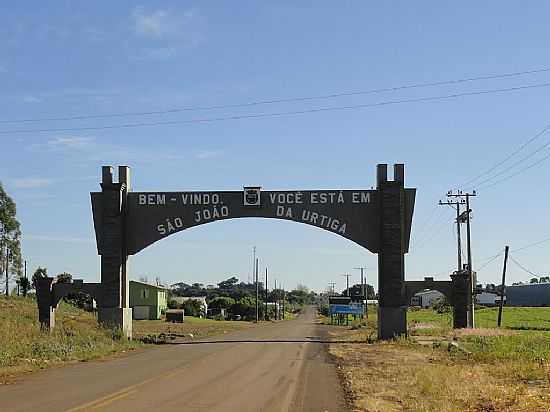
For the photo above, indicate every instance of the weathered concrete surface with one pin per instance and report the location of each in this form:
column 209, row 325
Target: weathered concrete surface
column 240, row 374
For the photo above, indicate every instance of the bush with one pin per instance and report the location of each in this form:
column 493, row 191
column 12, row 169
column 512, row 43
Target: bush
column 441, row 305
column 192, row 308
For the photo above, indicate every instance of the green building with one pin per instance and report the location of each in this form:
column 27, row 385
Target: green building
column 147, row 301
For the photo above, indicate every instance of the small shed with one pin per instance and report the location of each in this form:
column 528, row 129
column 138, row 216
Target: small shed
column 180, row 300
column 426, row 298
column 147, row 301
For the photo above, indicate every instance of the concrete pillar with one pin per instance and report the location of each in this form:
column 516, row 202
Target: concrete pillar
column 461, row 300
column 112, row 311
column 44, row 300
column 392, row 307
column 125, row 180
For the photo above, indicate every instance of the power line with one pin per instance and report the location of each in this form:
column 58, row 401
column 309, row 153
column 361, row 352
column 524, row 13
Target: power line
column 531, row 245
column 522, row 267
column 501, row 162
column 492, row 259
column 278, row 114
column 431, row 235
column 520, row 161
column 282, row 100
column 516, row 173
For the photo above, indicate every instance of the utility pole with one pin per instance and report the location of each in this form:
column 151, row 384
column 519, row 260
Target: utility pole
column 503, row 285
column 266, row 294
column 276, row 300
column 468, row 218
column 347, row 284
column 456, row 205
column 284, row 297
column 257, row 290
column 332, row 284
column 364, row 288
column 253, row 262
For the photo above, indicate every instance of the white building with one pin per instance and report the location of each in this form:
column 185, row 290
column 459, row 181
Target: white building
column 426, row 298
column 488, row 299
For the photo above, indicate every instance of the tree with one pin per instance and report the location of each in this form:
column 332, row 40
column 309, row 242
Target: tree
column 64, row 278
column 38, row 274
column 10, row 238
column 534, row 280
column 229, row 283
column 192, row 307
column 221, row 302
column 24, row 285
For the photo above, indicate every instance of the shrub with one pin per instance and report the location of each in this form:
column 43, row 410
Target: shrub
column 441, row 305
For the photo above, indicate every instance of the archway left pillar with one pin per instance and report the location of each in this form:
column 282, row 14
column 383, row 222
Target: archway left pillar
column 113, row 305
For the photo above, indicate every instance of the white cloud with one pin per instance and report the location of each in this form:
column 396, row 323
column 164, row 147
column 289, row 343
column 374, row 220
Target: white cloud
column 71, row 142
column 208, row 154
column 96, row 151
column 155, row 24
column 31, row 99
column 159, row 53
column 29, row 182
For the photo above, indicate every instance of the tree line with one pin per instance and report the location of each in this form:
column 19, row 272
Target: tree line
column 239, row 298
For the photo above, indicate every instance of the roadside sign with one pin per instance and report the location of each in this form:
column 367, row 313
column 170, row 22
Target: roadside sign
column 351, row 309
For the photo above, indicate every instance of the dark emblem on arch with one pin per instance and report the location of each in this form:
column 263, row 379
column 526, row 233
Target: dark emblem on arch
column 251, row 196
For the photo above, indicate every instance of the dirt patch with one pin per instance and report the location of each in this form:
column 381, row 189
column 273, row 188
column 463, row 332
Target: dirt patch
column 400, row 376
column 483, row 332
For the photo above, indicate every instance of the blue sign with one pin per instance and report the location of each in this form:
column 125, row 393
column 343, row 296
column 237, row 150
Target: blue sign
column 351, row 309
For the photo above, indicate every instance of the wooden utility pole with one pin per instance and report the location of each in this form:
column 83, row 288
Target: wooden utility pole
column 276, row 301
column 266, row 295
column 456, row 205
column 347, row 284
column 257, row 290
column 364, row 289
column 503, row 285
column 284, row 297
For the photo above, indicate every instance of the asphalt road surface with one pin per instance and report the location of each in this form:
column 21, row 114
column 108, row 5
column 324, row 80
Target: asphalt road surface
column 273, row 367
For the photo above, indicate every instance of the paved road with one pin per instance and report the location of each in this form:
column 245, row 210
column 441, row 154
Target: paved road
column 251, row 370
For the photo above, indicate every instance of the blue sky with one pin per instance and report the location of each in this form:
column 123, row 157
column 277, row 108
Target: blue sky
column 71, row 58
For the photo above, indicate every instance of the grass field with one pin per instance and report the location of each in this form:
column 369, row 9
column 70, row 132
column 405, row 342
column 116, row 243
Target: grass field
column 24, row 348
column 486, row 369
column 77, row 336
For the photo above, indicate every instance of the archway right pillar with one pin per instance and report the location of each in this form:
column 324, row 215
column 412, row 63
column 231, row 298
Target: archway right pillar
column 392, row 299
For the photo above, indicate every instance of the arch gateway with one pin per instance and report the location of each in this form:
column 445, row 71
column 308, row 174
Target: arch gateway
column 126, row 222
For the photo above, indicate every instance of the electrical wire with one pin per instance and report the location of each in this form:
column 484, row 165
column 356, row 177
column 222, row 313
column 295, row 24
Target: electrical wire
column 492, row 259
column 283, row 100
column 522, row 267
column 531, row 245
column 520, row 161
column 501, row 162
column 278, row 114
column 516, row 173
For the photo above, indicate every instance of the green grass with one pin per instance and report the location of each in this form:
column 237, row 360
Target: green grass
column 77, row 337
column 512, row 318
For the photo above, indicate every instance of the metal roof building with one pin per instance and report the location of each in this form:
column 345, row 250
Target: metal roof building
column 532, row 294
